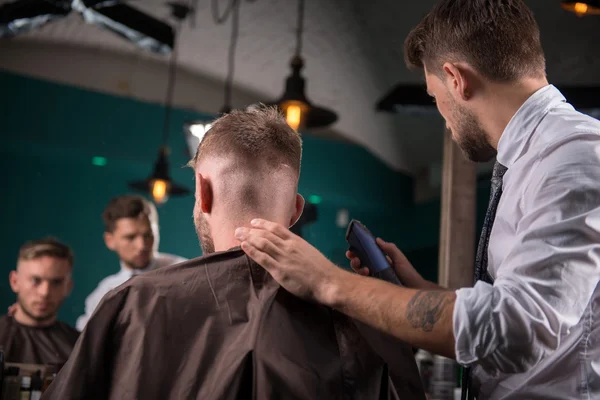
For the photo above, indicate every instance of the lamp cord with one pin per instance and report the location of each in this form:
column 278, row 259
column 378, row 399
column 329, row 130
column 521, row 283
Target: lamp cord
column 299, row 28
column 172, row 75
column 170, row 90
column 235, row 22
column 221, row 19
column 233, row 9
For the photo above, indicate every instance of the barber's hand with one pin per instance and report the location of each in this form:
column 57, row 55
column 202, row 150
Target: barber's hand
column 12, row 309
column 292, row 262
column 406, row 272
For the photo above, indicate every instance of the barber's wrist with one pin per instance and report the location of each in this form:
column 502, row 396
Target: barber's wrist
column 421, row 283
column 333, row 289
column 413, row 280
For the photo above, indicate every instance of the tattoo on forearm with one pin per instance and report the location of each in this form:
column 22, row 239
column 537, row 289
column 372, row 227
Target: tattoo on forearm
column 426, row 307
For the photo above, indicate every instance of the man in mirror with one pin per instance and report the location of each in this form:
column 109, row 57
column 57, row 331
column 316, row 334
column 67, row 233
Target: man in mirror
column 42, row 280
column 131, row 231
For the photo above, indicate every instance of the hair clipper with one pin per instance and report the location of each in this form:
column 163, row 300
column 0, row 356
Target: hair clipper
column 363, row 245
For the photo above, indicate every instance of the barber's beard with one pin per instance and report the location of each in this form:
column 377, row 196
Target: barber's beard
column 203, row 231
column 472, row 139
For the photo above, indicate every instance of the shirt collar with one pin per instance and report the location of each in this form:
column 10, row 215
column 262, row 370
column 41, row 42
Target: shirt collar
column 131, row 272
column 517, row 133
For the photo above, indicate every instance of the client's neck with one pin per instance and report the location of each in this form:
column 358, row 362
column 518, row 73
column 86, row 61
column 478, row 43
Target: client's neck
column 223, row 234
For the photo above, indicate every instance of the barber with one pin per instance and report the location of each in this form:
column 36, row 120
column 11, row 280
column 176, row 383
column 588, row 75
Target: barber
column 530, row 326
column 131, row 231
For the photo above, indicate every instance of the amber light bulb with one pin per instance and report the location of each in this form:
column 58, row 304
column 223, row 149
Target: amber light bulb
column 581, row 8
column 160, row 191
column 293, row 116
column 295, row 113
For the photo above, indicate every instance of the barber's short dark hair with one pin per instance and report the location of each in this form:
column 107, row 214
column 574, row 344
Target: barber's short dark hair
column 258, row 133
column 499, row 38
column 48, row 246
column 127, row 206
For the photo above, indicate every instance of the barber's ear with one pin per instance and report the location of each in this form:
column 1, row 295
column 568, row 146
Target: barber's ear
column 458, row 80
column 298, row 211
column 13, row 279
column 109, row 241
column 205, row 194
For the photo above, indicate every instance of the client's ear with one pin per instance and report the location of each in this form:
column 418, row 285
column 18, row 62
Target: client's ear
column 13, row 279
column 298, row 210
column 205, row 194
column 109, row 240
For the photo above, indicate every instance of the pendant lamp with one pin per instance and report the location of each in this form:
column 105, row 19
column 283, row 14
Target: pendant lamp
column 581, row 8
column 159, row 184
column 297, row 108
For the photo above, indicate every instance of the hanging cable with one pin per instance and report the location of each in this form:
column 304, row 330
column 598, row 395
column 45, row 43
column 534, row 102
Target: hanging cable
column 172, row 74
column 194, row 9
column 235, row 22
column 170, row 90
column 220, row 19
column 299, row 27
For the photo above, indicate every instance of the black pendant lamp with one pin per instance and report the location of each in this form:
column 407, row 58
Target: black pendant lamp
column 159, row 185
column 581, row 8
column 299, row 111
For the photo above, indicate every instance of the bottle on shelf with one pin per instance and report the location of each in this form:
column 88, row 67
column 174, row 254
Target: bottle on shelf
column 444, row 378
column 36, row 386
column 25, row 388
column 424, row 361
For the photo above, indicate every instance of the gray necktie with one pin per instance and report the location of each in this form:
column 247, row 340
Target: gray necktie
column 481, row 259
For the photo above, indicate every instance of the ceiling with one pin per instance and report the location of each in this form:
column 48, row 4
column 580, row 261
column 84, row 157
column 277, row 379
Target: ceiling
column 353, row 55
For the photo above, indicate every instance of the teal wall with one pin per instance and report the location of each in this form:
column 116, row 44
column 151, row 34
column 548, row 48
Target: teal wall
column 50, row 133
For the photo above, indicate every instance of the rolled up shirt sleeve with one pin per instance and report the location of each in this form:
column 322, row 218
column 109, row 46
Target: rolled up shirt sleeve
column 545, row 282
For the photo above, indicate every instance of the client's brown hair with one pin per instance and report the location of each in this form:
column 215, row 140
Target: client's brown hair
column 260, row 132
column 48, row 246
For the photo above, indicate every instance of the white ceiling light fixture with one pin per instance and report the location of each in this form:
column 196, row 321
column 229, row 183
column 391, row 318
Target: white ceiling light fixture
column 194, row 133
column 199, row 129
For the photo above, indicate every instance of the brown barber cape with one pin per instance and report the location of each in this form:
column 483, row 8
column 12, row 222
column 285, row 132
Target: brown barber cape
column 50, row 345
column 219, row 327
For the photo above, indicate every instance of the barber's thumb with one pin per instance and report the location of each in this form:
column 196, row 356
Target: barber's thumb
column 389, row 249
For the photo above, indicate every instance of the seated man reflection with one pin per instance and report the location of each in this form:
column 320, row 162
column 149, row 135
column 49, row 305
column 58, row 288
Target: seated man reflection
column 131, row 231
column 41, row 281
column 219, row 326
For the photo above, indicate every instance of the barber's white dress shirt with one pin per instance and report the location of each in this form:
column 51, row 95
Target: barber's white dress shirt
column 535, row 334
column 112, row 281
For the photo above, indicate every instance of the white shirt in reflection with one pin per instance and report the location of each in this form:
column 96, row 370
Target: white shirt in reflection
column 112, row 281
